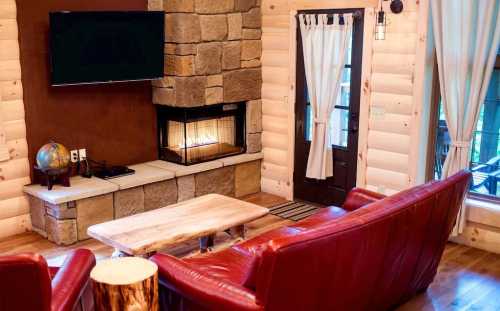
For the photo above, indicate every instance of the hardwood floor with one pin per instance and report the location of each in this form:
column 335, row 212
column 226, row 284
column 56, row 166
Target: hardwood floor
column 467, row 279
column 32, row 242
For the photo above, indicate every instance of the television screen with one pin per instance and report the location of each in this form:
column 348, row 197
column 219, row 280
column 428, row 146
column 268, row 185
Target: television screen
column 99, row 47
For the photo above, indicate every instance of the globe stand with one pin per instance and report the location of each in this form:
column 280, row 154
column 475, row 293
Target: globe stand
column 51, row 177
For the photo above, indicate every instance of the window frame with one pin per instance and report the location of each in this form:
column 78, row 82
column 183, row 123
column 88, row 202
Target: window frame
column 433, row 126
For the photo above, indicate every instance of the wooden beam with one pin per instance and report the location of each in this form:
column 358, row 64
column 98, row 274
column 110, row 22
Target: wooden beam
column 393, row 142
column 8, row 29
column 388, row 179
column 14, row 207
column 391, row 161
column 365, row 98
column 424, row 68
column 11, row 90
column 15, row 225
column 8, row 9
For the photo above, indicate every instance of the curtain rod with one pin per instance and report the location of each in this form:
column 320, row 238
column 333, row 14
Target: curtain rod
column 355, row 14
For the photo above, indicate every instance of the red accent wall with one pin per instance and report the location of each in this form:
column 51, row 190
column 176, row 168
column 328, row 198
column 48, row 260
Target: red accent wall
column 115, row 122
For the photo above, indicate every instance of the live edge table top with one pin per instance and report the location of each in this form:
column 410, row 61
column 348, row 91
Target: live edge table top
column 151, row 231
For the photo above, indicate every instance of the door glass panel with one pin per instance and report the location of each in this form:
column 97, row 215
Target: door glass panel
column 345, row 88
column 339, row 120
column 308, row 121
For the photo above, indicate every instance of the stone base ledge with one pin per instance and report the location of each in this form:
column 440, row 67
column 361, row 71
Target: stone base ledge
column 66, row 222
column 81, row 188
column 145, row 173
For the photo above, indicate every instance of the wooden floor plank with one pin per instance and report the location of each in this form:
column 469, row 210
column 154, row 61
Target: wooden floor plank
column 467, row 279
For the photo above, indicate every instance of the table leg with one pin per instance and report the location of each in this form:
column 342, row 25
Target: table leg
column 118, row 253
column 148, row 255
column 207, row 243
column 238, row 232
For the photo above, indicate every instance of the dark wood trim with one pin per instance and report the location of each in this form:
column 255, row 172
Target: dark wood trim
column 333, row 190
column 433, row 124
column 483, row 197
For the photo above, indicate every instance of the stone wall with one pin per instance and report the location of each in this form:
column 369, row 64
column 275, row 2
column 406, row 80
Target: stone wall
column 213, row 55
column 212, row 52
column 67, row 223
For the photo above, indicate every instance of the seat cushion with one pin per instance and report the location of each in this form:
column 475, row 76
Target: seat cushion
column 232, row 264
column 320, row 218
column 253, row 245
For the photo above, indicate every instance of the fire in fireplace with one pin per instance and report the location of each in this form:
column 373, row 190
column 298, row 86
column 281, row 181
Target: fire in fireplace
column 194, row 135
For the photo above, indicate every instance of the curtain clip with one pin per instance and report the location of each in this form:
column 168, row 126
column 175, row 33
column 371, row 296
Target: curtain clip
column 460, row 144
column 320, row 121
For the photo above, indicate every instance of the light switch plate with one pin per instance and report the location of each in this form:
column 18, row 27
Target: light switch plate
column 377, row 112
column 82, row 154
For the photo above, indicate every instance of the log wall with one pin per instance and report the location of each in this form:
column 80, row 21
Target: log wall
column 14, row 169
column 391, row 101
column 398, row 123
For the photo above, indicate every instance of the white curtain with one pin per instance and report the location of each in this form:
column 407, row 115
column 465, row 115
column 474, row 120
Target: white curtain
column 325, row 47
column 467, row 34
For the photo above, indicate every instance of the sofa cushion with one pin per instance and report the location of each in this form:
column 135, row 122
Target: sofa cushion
column 232, row 265
column 255, row 244
column 359, row 197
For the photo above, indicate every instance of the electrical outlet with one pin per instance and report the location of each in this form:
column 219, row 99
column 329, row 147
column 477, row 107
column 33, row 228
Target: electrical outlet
column 82, row 154
column 74, row 156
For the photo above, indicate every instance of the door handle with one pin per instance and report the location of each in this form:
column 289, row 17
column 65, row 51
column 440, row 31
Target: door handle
column 354, row 128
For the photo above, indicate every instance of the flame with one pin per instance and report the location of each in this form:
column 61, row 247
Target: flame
column 199, row 140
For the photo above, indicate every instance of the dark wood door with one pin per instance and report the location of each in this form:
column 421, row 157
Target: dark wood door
column 344, row 128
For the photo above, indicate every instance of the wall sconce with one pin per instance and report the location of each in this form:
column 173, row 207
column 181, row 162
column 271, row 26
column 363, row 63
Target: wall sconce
column 397, row 6
column 381, row 22
column 380, row 26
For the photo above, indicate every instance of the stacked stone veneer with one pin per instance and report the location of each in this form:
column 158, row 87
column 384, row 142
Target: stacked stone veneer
column 67, row 223
column 212, row 56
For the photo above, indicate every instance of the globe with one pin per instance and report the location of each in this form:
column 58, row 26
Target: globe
column 52, row 156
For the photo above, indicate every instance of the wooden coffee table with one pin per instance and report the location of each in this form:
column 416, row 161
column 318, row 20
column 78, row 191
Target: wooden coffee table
column 199, row 218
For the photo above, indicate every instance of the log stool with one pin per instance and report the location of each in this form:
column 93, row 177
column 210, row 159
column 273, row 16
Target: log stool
column 127, row 283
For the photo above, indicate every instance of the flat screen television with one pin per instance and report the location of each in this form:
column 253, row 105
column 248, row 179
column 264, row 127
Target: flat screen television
column 103, row 47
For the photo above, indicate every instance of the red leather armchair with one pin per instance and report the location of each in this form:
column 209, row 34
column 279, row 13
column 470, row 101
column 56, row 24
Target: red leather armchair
column 28, row 284
column 373, row 254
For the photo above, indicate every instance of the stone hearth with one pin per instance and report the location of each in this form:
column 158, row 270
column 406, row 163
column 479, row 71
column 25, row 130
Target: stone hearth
column 64, row 214
column 212, row 56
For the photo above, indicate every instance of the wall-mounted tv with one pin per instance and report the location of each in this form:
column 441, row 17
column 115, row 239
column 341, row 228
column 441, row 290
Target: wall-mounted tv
column 103, row 47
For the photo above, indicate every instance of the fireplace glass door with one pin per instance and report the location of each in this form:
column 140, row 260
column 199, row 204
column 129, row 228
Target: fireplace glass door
column 194, row 135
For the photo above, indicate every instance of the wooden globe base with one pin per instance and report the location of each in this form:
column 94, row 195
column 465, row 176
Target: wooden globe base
column 51, row 177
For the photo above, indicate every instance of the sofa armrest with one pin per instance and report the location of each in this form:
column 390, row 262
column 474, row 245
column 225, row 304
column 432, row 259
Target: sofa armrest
column 71, row 279
column 359, row 197
column 212, row 293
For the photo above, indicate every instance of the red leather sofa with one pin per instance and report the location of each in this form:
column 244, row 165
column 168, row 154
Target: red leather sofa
column 374, row 253
column 28, row 284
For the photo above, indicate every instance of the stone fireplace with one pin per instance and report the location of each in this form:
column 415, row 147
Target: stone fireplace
column 212, row 63
column 209, row 109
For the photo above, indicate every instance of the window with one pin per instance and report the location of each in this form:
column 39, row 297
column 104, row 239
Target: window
column 339, row 120
column 485, row 145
